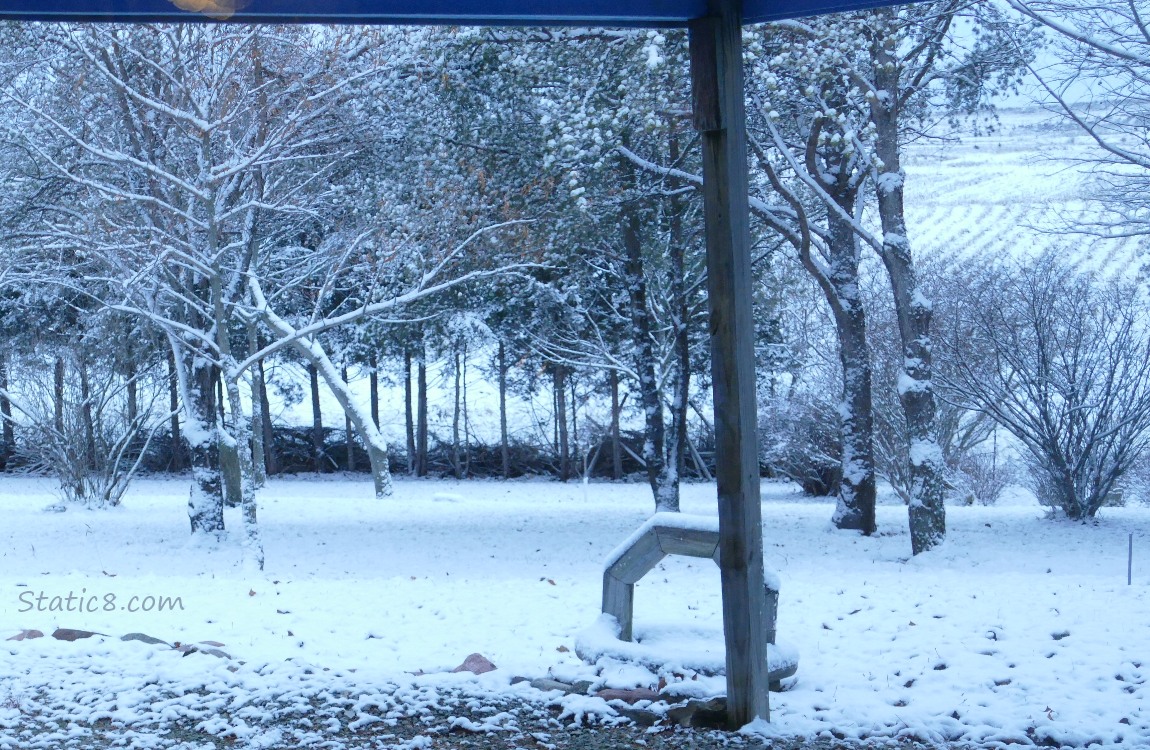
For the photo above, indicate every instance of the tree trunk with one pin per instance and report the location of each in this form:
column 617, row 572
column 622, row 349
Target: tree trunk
column 230, row 470
column 133, row 396
column 239, row 442
column 373, row 441
column 317, row 441
column 616, row 446
column 259, row 453
column 8, row 428
column 58, row 394
column 838, row 278
column 373, row 387
column 197, row 388
column 576, row 456
column 349, row 435
column 855, row 508
column 466, row 421
column 456, row 466
column 927, row 514
column 408, row 412
column 320, row 364
column 681, row 368
column 177, row 457
column 421, row 467
column 642, row 335
column 271, row 460
column 503, row 448
column 559, row 373
column 86, row 416
column 555, row 421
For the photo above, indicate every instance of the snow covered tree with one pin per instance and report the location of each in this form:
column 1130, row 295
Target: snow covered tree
column 813, row 138
column 644, row 303
column 961, row 431
column 1059, row 361
column 1097, row 78
column 869, row 99
column 800, row 379
column 186, row 149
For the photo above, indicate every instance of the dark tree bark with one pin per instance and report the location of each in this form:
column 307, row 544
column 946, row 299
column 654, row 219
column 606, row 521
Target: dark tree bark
column 377, row 451
column 259, row 462
column 681, row 316
column 927, row 514
column 349, row 432
column 574, row 440
column 271, row 459
column 58, row 394
column 837, row 275
column 555, row 421
column 616, row 446
column 456, row 461
column 503, row 448
column 230, row 471
column 559, row 377
column 317, row 442
column 177, row 458
column 421, row 467
column 87, row 417
column 8, row 428
column 373, row 388
column 408, row 411
column 133, row 395
column 654, row 433
column 856, row 501
column 206, row 504
column 466, row 420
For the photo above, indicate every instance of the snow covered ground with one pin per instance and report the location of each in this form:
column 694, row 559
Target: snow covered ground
column 1017, row 191
column 1019, row 630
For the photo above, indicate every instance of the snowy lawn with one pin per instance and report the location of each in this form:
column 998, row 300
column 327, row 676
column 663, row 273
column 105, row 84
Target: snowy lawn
column 1019, row 630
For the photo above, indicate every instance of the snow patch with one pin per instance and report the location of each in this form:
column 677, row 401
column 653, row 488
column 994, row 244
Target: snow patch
column 667, row 519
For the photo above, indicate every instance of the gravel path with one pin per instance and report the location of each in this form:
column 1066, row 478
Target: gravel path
column 460, row 721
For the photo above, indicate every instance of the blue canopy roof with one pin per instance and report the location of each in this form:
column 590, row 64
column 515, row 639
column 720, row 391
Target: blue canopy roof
column 453, row 12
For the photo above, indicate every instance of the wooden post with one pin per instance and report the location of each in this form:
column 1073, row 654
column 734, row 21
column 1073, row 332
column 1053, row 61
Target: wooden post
column 720, row 116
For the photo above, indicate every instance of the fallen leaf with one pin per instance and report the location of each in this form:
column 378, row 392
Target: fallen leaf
column 562, row 649
column 71, row 634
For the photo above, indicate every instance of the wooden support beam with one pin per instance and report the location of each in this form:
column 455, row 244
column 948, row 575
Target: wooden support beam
column 720, row 116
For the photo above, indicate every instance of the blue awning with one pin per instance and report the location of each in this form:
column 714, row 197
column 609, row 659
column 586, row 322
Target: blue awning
column 450, row 12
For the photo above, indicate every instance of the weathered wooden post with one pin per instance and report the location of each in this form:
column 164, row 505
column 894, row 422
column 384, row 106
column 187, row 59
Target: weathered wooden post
column 720, row 116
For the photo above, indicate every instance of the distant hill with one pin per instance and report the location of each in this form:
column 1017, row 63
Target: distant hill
column 1016, row 191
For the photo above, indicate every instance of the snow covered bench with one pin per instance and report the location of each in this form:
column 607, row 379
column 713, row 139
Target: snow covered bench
column 679, row 534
